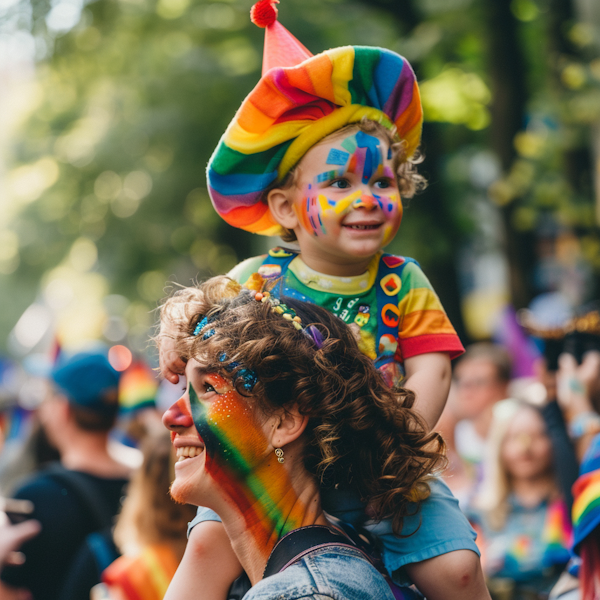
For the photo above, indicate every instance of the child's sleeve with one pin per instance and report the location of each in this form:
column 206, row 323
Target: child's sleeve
column 242, row 271
column 424, row 326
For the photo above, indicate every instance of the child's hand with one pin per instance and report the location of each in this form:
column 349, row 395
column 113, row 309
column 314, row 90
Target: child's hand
column 171, row 364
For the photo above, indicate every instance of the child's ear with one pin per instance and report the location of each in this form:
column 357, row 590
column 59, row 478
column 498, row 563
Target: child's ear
column 282, row 207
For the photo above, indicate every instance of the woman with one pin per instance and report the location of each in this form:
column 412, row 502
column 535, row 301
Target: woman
column 150, row 531
column 149, row 534
column 524, row 521
column 280, row 399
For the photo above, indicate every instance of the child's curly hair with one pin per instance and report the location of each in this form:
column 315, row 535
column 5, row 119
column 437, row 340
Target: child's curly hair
column 361, row 433
column 408, row 179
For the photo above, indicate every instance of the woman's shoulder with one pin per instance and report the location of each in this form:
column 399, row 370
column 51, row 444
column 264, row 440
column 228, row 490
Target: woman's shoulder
column 335, row 572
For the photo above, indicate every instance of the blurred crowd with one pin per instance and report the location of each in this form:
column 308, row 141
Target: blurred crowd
column 522, row 456
column 85, row 475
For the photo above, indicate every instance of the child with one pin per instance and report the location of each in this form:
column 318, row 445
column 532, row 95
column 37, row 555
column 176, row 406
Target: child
column 320, row 152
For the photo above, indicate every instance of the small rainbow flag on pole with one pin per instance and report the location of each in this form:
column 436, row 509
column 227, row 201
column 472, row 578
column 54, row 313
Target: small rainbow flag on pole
column 137, row 388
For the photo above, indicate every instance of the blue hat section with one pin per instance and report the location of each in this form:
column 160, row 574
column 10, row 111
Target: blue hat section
column 88, row 380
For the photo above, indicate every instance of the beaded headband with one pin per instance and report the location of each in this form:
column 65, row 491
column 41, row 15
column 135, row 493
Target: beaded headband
column 289, row 314
column 277, row 307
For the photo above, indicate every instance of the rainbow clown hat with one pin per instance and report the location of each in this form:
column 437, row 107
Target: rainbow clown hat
column 299, row 100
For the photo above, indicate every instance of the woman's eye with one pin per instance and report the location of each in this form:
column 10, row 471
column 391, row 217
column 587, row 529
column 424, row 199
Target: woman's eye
column 209, row 388
column 341, row 184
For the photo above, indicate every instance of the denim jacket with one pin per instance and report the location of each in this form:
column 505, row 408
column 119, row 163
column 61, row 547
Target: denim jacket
column 331, row 573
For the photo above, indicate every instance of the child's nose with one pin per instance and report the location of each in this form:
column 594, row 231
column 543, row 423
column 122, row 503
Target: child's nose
column 365, row 201
column 178, row 416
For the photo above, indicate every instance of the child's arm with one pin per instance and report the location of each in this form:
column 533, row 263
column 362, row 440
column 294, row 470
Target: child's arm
column 452, row 576
column 209, row 565
column 429, row 376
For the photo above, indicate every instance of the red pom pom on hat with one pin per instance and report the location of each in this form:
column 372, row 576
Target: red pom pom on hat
column 281, row 49
column 264, row 13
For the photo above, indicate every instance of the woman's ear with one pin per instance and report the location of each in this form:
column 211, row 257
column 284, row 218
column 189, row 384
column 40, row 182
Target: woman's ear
column 281, row 205
column 289, row 427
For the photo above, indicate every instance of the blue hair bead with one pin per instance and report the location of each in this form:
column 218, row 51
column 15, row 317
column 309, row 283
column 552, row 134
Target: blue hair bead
column 249, row 377
column 200, row 326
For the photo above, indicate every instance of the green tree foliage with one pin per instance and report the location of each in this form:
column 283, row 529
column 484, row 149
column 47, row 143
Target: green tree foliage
column 107, row 174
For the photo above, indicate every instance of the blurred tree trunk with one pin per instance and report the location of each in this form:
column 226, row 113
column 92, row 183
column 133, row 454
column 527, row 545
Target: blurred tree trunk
column 578, row 162
column 509, row 91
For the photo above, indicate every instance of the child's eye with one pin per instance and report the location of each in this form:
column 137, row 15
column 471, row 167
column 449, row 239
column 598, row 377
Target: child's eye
column 341, row 184
column 208, row 388
column 383, row 184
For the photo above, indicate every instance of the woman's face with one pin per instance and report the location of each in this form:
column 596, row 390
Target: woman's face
column 526, row 451
column 219, row 439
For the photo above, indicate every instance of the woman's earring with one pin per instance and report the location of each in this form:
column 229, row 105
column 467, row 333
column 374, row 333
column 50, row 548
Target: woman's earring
column 279, row 454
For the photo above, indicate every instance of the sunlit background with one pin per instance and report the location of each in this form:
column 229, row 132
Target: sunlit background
column 110, row 109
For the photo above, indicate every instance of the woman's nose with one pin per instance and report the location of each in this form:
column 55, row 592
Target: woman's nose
column 366, row 201
column 178, row 416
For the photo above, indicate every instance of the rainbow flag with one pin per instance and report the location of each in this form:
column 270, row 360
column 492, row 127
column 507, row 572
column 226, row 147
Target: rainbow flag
column 557, row 534
column 586, row 491
column 143, row 577
column 137, row 387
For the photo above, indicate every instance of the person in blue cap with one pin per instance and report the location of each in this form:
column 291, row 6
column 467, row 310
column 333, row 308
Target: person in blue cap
column 83, row 493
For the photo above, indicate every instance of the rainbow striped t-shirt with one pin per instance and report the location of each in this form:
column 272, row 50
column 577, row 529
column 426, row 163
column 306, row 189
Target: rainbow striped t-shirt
column 423, row 325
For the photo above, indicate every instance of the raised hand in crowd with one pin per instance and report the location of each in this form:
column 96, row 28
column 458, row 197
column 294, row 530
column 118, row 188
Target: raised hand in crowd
column 578, row 394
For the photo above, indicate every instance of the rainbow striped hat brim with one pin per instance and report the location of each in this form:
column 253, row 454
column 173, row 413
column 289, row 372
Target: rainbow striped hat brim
column 586, row 494
column 294, row 107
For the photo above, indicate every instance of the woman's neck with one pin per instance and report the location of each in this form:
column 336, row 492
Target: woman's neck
column 533, row 490
column 255, row 531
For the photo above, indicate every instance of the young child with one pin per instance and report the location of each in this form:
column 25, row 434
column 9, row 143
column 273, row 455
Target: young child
column 320, row 152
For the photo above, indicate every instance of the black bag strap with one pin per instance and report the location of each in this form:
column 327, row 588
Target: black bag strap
column 289, row 549
column 80, row 485
column 300, row 542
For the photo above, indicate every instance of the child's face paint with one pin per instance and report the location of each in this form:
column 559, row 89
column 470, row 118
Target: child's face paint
column 238, row 458
column 347, row 199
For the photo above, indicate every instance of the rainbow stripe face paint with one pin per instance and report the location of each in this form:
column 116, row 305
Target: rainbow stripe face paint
column 241, row 462
column 364, row 169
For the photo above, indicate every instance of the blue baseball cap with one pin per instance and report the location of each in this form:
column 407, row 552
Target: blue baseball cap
column 88, row 380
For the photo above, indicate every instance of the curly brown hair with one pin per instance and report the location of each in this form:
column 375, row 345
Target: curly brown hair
column 408, row 179
column 361, row 433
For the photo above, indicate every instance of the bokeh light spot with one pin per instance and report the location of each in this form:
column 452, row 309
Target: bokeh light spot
column 120, row 357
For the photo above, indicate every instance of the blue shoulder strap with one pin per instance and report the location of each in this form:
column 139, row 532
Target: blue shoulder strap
column 388, row 285
column 275, row 266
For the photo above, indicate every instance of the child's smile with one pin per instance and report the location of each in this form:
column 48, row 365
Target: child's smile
column 346, row 198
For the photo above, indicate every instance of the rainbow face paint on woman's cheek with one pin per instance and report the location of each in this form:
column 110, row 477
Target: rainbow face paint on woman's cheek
column 237, row 459
column 230, row 432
